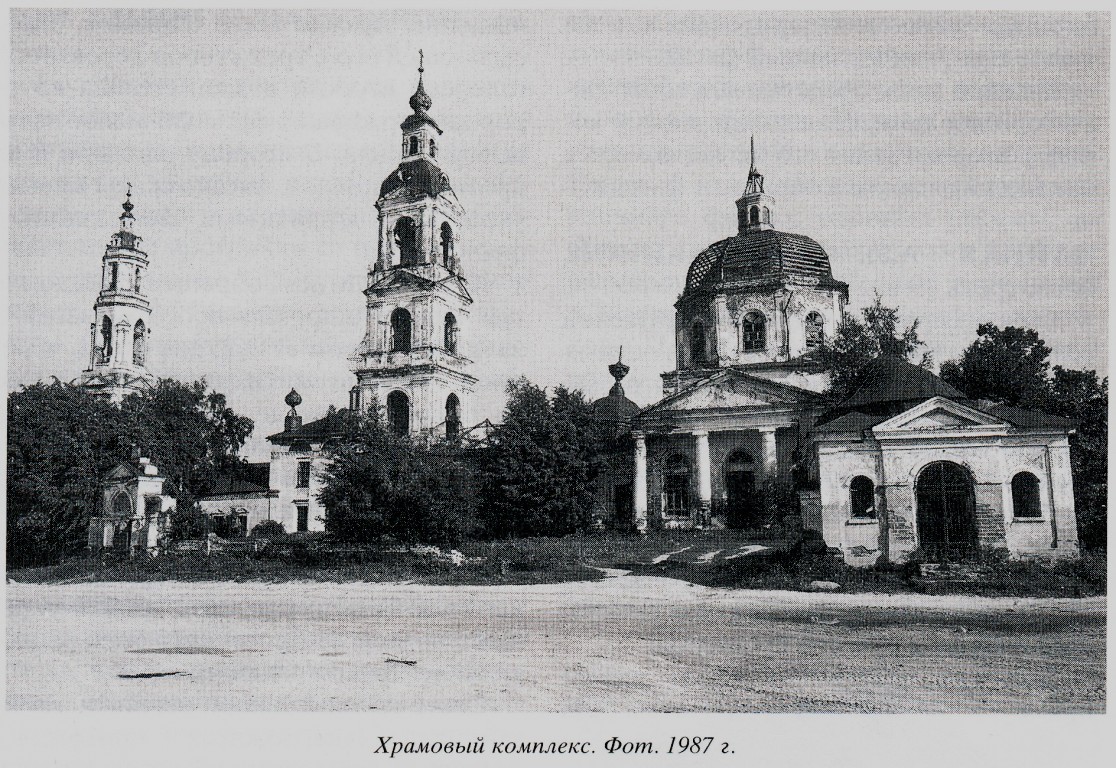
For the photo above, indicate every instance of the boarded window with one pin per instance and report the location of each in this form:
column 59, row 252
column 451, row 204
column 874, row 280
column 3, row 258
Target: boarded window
column 815, row 331
column 399, row 413
column 302, row 513
column 400, row 331
column 676, row 487
column 302, row 480
column 697, row 345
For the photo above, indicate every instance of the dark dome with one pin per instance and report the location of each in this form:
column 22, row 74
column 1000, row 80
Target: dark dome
column 766, row 254
column 615, row 408
column 419, row 175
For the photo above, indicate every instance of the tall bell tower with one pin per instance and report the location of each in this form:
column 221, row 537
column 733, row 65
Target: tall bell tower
column 118, row 336
column 412, row 357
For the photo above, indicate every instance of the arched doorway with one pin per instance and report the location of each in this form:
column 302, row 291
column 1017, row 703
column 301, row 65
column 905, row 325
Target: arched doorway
column 453, row 417
column 399, row 412
column 742, row 509
column 946, row 511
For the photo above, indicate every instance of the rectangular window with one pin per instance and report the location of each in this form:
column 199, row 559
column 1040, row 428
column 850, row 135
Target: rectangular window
column 303, row 511
column 303, row 479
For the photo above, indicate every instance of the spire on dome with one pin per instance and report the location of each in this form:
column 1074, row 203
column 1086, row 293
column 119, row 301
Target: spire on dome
column 127, row 204
column 755, row 178
column 420, row 102
column 618, row 371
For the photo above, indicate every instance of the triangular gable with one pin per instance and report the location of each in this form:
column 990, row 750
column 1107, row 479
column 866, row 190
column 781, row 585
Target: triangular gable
column 120, row 472
column 938, row 413
column 732, row 389
column 400, row 278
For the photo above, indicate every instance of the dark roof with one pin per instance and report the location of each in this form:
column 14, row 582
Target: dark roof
column 419, row 175
column 258, row 472
column 854, row 421
column 763, row 254
column 324, row 428
column 230, row 486
column 615, row 407
column 890, row 379
column 1022, row 417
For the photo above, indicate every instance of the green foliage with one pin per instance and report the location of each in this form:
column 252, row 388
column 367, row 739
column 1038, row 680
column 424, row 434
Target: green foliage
column 537, row 477
column 62, row 440
column 859, row 341
column 1011, row 366
column 379, row 484
column 268, row 529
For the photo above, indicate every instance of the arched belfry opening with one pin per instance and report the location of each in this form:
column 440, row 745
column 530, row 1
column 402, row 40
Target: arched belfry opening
column 698, row 356
column 139, row 344
column 450, row 333
column 106, row 338
column 447, row 245
column 400, row 331
column 453, row 417
column 406, row 241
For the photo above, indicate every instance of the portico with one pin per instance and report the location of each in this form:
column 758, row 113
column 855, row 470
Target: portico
column 702, row 455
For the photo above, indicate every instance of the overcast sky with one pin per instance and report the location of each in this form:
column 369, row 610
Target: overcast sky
column 958, row 163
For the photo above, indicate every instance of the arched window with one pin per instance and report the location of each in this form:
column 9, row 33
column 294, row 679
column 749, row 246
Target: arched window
column 121, row 505
column 399, row 413
column 676, row 487
column 697, row 345
column 755, row 332
column 766, row 218
column 453, row 417
column 406, row 240
column 413, row 147
column 136, row 283
column 139, row 344
column 1025, row 495
column 450, row 333
column 862, row 497
column 354, row 399
column 815, row 331
column 447, row 245
column 432, row 152
column 114, row 276
column 106, row 338
column 400, row 331
column 753, row 215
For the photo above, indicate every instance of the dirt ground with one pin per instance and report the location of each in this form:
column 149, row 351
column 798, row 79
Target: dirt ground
column 627, row 644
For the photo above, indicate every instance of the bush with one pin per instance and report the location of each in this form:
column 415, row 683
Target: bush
column 268, row 529
column 188, row 522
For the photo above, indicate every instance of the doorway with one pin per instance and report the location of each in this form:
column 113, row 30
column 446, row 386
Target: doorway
column 742, row 507
column 946, row 512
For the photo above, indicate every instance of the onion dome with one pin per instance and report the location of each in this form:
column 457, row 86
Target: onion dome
column 127, row 204
column 293, row 399
column 420, row 101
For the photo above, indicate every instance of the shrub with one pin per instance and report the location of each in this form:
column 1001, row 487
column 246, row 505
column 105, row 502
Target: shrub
column 268, row 529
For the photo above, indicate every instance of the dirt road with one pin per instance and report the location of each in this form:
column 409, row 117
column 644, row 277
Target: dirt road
column 629, row 644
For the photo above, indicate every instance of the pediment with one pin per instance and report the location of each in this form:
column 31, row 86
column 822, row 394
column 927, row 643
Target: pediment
column 938, row 414
column 732, row 390
column 121, row 472
column 400, row 278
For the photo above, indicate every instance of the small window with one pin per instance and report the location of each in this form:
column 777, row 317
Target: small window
column 432, row 152
column 302, row 511
column 413, row 147
column 862, row 497
column 755, row 332
column 766, row 218
column 1025, row 495
column 354, row 399
column 303, row 479
column 136, row 283
column 815, row 331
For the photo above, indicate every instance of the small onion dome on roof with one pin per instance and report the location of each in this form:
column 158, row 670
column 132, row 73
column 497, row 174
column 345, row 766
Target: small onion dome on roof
column 616, row 408
column 761, row 255
column 293, row 399
column 417, row 175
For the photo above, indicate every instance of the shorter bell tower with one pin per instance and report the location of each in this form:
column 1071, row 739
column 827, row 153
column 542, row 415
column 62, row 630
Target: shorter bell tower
column 121, row 328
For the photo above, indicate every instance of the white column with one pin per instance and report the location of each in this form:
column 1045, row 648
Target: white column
column 704, row 475
column 639, row 483
column 92, row 345
column 770, row 454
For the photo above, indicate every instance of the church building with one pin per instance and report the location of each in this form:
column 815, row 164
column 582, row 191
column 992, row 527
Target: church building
column 121, row 328
column 905, row 467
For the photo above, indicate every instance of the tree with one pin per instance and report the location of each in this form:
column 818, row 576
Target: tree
column 537, row 477
column 62, row 440
column 378, row 484
column 1009, row 366
column 859, row 341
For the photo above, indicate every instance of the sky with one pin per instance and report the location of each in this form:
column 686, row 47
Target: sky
column 955, row 162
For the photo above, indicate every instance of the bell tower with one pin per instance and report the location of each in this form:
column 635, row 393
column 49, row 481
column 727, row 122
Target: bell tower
column 121, row 328
column 412, row 360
